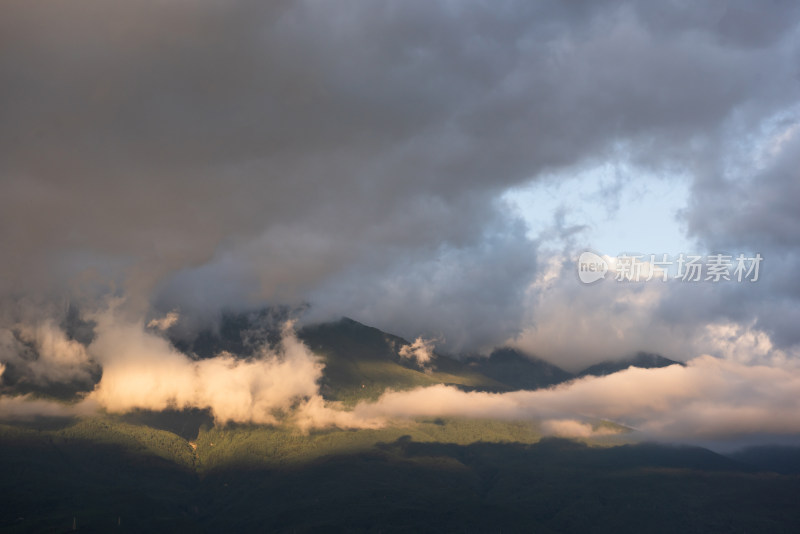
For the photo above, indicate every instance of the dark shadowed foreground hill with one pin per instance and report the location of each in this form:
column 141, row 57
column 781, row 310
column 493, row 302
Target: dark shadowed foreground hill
column 775, row 458
column 116, row 477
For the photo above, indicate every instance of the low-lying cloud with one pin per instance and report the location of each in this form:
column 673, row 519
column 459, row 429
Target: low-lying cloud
column 142, row 370
column 420, row 350
column 41, row 353
column 710, row 398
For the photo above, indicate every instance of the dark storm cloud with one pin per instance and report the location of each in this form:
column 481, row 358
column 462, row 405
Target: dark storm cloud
column 199, row 154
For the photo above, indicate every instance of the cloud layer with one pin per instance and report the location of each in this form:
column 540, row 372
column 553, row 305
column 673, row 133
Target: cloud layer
column 710, row 398
column 230, row 155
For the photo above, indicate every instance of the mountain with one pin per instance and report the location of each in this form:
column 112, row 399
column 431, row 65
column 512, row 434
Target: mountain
column 774, row 458
column 361, row 362
column 516, row 370
column 642, row 360
column 178, row 471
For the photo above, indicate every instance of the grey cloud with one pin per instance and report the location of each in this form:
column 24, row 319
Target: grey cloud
column 471, row 297
column 297, row 150
column 752, row 208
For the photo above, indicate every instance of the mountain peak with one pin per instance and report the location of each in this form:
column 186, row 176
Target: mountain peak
column 642, row 360
column 518, row 370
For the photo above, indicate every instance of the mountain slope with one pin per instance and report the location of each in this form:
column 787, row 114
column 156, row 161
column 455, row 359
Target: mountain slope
column 642, row 360
column 518, row 371
column 361, row 362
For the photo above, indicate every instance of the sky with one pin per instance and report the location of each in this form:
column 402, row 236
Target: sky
column 431, row 168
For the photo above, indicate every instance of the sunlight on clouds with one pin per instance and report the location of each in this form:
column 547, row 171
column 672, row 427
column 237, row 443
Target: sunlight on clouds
column 142, row 370
column 574, row 325
column 42, row 352
column 164, row 323
column 709, row 398
column 420, row 350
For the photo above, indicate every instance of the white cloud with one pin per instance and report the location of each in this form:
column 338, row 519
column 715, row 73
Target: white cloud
column 164, row 323
column 49, row 356
column 709, row 398
column 420, row 350
column 142, row 370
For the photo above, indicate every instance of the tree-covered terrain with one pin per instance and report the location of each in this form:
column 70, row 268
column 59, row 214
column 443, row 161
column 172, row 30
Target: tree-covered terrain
column 105, row 475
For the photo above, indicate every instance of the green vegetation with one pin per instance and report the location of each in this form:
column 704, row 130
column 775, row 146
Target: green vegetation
column 108, row 475
column 362, row 362
column 135, row 439
column 250, row 445
column 218, row 447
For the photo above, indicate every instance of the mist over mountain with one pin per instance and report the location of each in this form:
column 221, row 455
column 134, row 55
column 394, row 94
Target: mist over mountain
column 399, row 265
column 183, row 467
